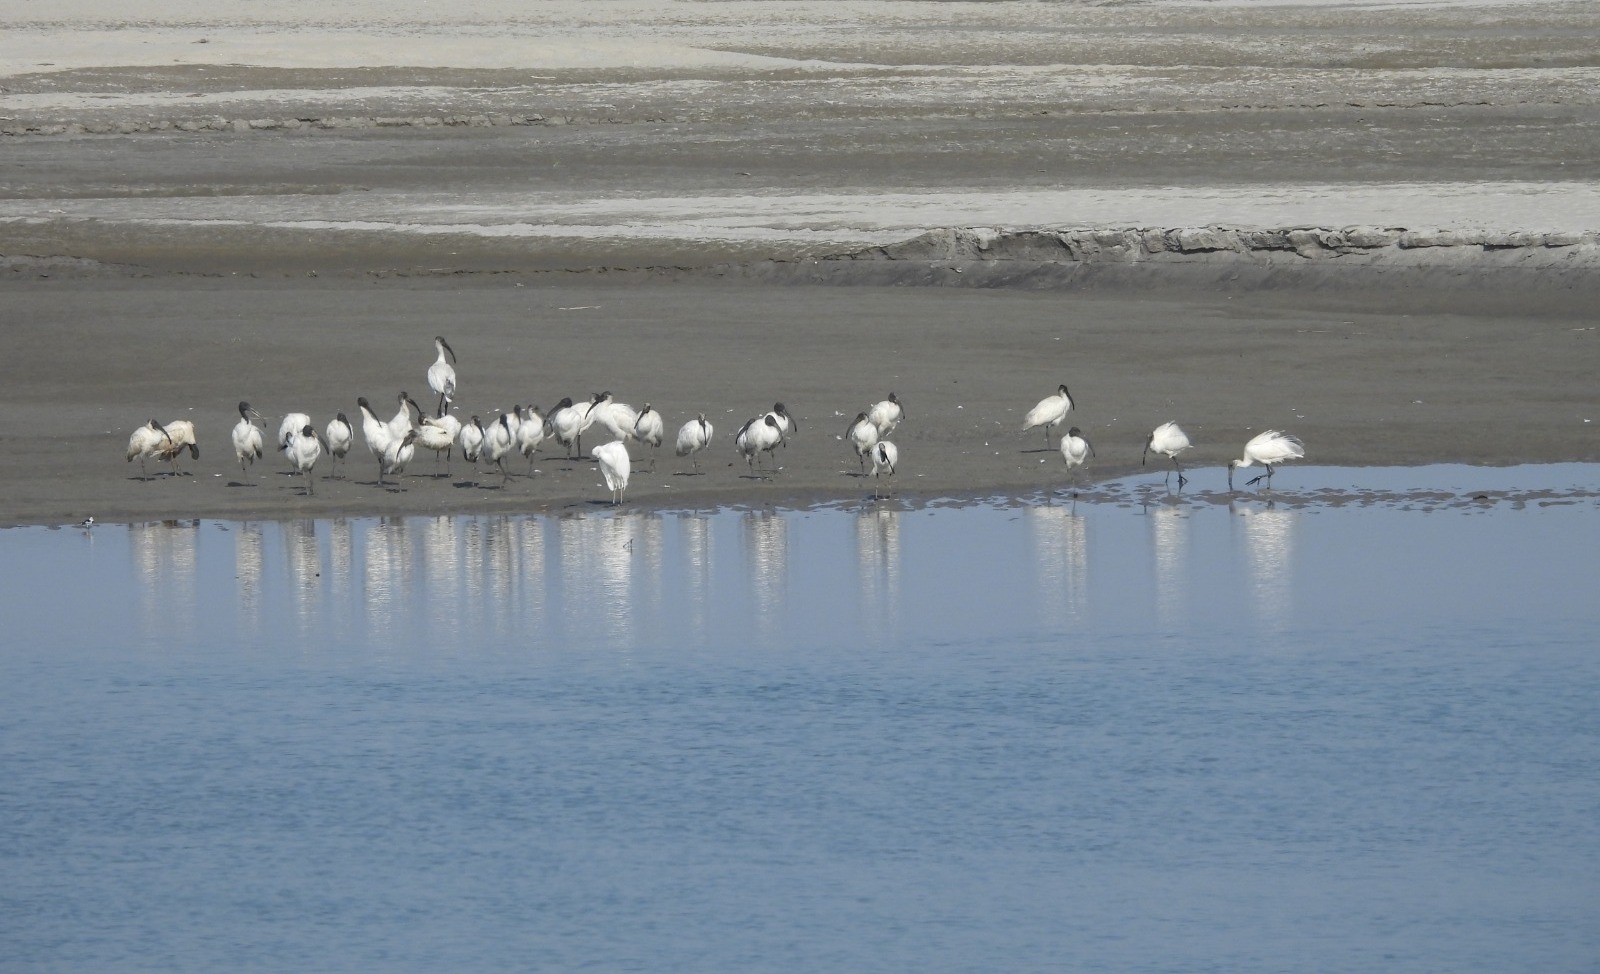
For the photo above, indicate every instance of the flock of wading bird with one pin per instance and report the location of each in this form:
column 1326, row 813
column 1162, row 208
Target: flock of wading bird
column 523, row 429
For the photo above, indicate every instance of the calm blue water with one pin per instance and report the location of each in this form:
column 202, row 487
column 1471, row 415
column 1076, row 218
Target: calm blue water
column 1337, row 732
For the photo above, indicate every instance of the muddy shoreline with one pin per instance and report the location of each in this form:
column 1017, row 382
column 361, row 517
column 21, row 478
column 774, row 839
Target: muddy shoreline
column 1365, row 378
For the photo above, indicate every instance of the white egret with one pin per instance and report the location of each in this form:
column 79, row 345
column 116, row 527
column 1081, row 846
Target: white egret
column 246, row 437
column 1169, row 441
column 148, row 442
column 376, row 432
column 471, row 440
column 1051, row 411
column 885, row 456
column 649, row 428
column 340, row 439
column 498, row 442
column 758, row 435
column 1267, row 449
column 1075, row 449
column 304, row 448
column 862, row 435
column 694, row 436
column 530, row 433
column 441, row 374
column 886, row 415
column 614, row 466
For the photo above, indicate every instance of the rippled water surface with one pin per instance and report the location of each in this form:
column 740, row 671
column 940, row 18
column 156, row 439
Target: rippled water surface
column 1167, row 735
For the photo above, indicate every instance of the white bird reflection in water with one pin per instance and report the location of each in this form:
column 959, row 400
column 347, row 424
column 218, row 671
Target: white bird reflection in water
column 648, row 544
column 1061, row 558
column 341, row 574
column 766, row 546
column 386, row 578
column 247, row 565
column 303, row 557
column 698, row 565
column 1268, row 537
column 164, row 555
column 878, row 567
column 597, row 574
column 1169, row 537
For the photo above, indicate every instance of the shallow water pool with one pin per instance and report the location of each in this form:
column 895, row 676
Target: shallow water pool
column 1338, row 730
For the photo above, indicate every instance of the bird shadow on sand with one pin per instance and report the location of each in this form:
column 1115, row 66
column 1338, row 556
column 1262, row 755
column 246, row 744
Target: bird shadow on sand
column 242, row 483
column 1041, row 449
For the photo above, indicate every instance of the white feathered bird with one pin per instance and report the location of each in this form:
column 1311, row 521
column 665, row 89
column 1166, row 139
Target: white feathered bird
column 1167, row 440
column 694, row 436
column 340, row 439
column 862, row 435
column 650, row 429
column 1268, row 449
column 885, row 456
column 1051, row 411
column 886, row 415
column 247, row 437
column 1076, row 449
column 441, row 374
column 304, row 448
column 615, row 467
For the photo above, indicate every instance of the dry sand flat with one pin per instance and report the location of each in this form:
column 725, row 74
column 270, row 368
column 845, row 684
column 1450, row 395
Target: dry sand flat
column 1372, row 224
